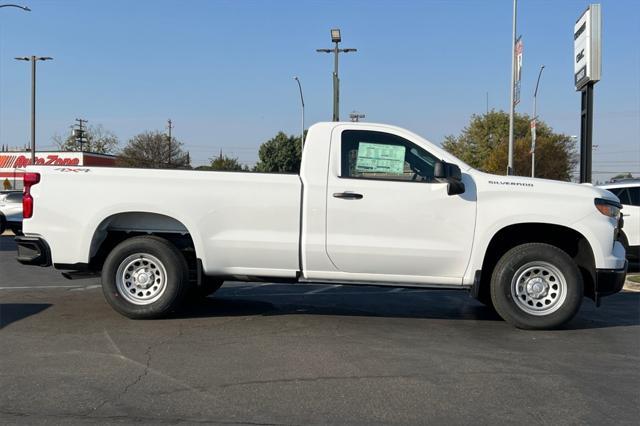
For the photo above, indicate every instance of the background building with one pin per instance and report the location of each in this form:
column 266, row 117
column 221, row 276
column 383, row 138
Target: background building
column 12, row 164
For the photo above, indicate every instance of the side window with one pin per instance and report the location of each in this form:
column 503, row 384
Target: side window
column 634, row 195
column 622, row 194
column 378, row 155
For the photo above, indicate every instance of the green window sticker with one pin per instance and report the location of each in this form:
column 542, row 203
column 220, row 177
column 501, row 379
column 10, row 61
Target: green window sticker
column 380, row 158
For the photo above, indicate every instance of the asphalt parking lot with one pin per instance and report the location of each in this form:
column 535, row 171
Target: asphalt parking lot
column 306, row 354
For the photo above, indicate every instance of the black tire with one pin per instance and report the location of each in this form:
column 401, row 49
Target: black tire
column 3, row 224
column 164, row 261
column 536, row 301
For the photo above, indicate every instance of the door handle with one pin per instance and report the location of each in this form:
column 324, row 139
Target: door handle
column 348, row 195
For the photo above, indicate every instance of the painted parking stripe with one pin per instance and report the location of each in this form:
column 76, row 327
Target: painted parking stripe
column 252, row 286
column 39, row 287
column 89, row 287
column 320, row 290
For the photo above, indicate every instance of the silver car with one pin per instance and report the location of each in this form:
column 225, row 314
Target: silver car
column 11, row 211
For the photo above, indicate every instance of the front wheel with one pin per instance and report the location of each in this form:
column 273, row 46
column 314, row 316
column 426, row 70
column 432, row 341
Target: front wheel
column 145, row 277
column 536, row 286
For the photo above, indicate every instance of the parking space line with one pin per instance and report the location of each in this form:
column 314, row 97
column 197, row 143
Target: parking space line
column 323, row 289
column 89, row 287
column 39, row 287
column 252, row 286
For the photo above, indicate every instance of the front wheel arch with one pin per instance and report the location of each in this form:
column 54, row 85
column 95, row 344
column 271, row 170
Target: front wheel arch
column 572, row 242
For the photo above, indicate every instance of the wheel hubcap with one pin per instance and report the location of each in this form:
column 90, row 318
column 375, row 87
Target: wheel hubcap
column 539, row 288
column 141, row 279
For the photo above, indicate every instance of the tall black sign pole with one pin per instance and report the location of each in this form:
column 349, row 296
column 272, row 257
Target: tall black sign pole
column 586, row 133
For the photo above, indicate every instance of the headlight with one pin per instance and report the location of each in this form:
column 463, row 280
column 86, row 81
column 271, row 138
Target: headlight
column 608, row 207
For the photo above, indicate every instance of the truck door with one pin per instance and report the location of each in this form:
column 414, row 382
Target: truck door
column 388, row 218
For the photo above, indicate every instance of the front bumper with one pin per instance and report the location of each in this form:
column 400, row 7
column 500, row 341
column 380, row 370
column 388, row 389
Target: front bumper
column 610, row 281
column 33, row 251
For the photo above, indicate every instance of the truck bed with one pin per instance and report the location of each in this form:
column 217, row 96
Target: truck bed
column 246, row 223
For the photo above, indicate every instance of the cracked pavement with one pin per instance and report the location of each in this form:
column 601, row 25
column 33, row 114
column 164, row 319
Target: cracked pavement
column 291, row 354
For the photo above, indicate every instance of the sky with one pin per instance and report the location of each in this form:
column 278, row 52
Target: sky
column 223, row 70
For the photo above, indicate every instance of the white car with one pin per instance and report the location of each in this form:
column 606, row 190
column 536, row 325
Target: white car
column 628, row 191
column 372, row 205
column 11, row 211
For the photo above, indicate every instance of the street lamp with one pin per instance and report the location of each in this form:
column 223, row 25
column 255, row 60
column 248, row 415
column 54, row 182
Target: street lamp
column 355, row 116
column 302, row 102
column 33, row 60
column 25, row 8
column 336, row 38
column 534, row 122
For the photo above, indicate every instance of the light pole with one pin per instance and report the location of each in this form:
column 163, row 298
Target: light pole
column 513, row 82
column 335, row 38
column 534, row 123
column 25, row 8
column 33, row 60
column 302, row 102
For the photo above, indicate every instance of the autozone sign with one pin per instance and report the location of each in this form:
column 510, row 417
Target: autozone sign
column 19, row 161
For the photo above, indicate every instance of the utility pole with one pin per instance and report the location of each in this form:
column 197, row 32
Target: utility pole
column 487, row 102
column 336, row 38
column 169, row 126
column 33, row 59
column 79, row 133
column 534, row 122
column 513, row 81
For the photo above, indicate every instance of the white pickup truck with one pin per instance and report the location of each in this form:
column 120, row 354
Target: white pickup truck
column 372, row 205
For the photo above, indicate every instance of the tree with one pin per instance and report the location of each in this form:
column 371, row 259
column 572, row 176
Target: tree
column 225, row 163
column 280, row 154
column 483, row 144
column 99, row 140
column 151, row 150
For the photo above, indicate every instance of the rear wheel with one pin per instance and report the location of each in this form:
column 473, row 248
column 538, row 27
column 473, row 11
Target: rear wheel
column 144, row 277
column 536, row 286
column 3, row 224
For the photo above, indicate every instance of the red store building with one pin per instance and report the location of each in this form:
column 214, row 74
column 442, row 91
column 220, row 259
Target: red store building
column 12, row 164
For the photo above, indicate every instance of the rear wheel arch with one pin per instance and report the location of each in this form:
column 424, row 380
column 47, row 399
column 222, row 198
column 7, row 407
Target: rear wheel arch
column 567, row 239
column 121, row 226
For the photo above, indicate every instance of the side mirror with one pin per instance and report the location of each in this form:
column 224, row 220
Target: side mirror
column 444, row 170
column 451, row 174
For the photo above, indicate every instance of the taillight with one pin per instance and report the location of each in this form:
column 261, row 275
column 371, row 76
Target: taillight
column 30, row 179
